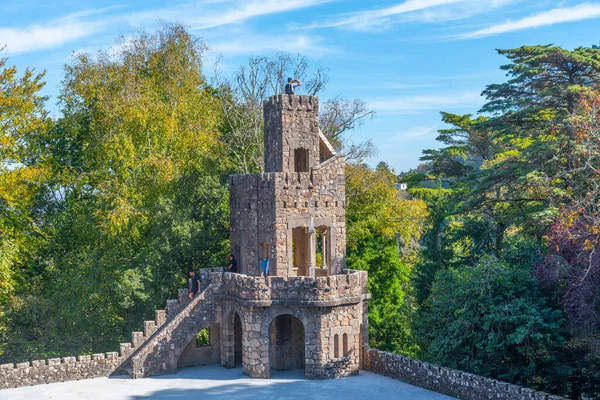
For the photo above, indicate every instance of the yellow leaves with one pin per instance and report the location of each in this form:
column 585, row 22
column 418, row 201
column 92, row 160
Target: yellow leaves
column 374, row 204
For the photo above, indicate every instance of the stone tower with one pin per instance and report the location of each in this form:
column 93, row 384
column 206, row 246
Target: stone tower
column 309, row 313
column 294, row 213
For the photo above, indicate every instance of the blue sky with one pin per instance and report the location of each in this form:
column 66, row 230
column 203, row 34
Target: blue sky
column 408, row 59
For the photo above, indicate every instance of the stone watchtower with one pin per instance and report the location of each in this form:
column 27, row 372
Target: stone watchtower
column 294, row 213
column 310, row 312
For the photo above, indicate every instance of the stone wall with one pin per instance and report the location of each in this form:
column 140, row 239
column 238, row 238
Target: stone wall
column 193, row 355
column 59, row 369
column 291, row 122
column 447, row 381
column 271, row 212
column 319, row 291
column 96, row 365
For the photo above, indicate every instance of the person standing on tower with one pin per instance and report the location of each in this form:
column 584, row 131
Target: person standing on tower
column 291, row 86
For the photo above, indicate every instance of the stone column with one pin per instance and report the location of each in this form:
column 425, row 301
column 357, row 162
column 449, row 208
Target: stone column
column 312, row 249
column 324, row 247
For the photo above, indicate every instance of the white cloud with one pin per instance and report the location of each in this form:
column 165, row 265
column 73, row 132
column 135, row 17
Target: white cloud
column 250, row 43
column 419, row 132
column 431, row 10
column 554, row 16
column 200, row 17
column 40, row 37
column 418, row 103
column 205, row 15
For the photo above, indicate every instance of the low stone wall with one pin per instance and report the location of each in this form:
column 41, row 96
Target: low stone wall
column 447, row 381
column 59, row 370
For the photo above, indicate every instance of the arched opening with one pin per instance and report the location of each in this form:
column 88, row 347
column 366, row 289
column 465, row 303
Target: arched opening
column 300, row 250
column 237, row 340
column 345, row 345
column 336, row 346
column 301, row 160
column 323, row 256
column 203, row 349
column 286, row 351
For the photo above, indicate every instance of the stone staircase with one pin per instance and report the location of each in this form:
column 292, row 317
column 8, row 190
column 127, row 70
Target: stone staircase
column 156, row 350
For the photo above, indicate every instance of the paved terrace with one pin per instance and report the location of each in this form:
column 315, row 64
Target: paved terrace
column 215, row 382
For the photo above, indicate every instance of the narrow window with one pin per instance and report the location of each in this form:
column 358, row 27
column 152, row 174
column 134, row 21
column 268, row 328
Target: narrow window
column 336, row 346
column 345, row 344
column 301, row 160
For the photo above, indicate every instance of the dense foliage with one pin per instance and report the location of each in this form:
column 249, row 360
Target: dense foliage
column 525, row 169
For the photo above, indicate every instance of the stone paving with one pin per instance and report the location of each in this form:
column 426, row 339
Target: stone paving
column 215, row 382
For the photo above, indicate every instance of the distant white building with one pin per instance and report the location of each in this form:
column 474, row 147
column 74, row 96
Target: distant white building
column 401, row 185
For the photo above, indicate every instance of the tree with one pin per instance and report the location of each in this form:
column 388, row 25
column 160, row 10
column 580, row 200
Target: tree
column 338, row 117
column 382, row 232
column 242, row 98
column 491, row 320
column 136, row 164
column 22, row 117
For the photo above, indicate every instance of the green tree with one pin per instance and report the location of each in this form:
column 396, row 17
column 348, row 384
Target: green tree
column 22, row 117
column 382, row 232
column 492, row 320
column 135, row 189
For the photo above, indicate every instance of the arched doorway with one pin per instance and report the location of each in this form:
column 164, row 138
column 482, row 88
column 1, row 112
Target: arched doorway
column 237, row 340
column 286, row 352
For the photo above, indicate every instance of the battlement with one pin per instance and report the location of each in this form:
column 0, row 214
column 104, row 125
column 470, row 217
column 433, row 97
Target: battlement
column 292, row 103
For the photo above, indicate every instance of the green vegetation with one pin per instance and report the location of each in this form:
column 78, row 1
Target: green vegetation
column 495, row 270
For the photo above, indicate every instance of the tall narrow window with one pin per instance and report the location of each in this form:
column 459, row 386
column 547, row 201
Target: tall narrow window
column 301, row 160
column 336, row 346
column 345, row 345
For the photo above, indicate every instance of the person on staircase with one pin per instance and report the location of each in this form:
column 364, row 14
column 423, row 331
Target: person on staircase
column 194, row 284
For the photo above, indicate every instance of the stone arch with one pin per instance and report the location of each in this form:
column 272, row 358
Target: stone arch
column 232, row 334
column 267, row 319
column 287, row 340
column 208, row 353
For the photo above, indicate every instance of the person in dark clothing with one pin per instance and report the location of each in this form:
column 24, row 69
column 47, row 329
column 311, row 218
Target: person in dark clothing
column 232, row 267
column 194, row 285
column 291, row 86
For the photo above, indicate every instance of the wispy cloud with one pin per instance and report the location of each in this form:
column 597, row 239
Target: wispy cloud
column 198, row 16
column 51, row 34
column 554, row 16
column 419, row 103
column 255, row 44
column 419, row 132
column 431, row 10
